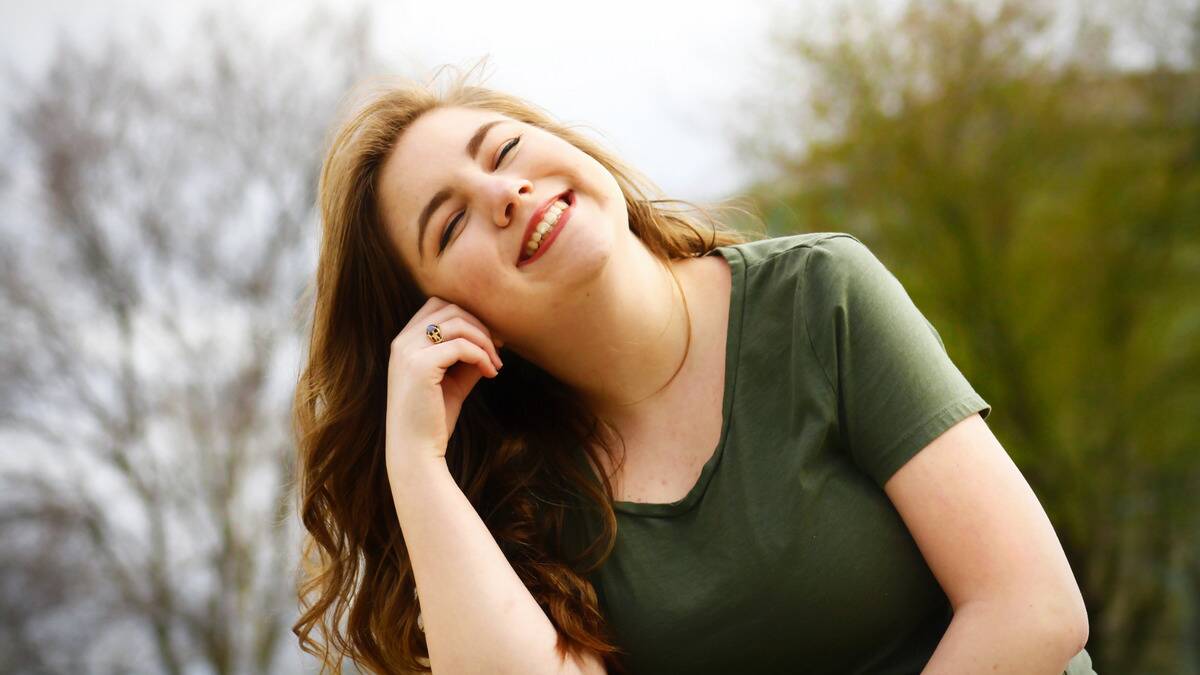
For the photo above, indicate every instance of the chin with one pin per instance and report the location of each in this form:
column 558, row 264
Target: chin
column 575, row 257
column 583, row 263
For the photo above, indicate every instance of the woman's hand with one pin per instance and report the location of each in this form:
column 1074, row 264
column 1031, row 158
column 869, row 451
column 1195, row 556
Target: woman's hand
column 428, row 382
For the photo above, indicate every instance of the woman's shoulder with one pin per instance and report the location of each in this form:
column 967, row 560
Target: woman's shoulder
column 756, row 251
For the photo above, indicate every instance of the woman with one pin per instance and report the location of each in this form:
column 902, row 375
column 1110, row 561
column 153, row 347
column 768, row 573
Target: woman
column 549, row 425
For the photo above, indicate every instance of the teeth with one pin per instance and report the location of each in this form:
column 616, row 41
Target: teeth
column 548, row 222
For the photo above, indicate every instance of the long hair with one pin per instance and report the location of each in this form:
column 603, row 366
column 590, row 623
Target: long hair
column 514, row 450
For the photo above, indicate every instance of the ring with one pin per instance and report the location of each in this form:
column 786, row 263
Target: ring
column 433, row 333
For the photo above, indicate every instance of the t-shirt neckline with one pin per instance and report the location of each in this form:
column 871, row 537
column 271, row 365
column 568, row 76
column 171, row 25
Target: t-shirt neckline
column 737, row 270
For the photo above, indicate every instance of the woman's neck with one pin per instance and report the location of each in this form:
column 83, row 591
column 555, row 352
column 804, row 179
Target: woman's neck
column 622, row 341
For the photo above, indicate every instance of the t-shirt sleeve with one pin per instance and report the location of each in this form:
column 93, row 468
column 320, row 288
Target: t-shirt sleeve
column 895, row 384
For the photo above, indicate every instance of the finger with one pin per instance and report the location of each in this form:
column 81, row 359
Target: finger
column 458, row 326
column 446, row 354
column 433, row 307
column 421, row 318
column 438, row 311
column 452, row 309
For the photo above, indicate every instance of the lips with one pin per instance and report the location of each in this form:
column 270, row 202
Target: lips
column 536, row 218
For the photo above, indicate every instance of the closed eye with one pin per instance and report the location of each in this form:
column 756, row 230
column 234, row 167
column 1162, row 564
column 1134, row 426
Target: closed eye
column 512, row 143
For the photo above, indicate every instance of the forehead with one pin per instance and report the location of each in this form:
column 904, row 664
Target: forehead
column 441, row 132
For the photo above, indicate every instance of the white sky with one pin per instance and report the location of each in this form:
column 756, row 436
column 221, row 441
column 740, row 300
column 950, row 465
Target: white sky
column 660, row 80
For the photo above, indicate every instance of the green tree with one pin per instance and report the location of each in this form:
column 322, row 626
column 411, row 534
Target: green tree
column 1040, row 200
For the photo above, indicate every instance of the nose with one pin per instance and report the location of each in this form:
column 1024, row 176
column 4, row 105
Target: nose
column 511, row 194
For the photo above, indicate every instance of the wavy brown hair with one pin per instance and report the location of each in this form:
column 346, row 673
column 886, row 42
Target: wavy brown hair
column 515, row 449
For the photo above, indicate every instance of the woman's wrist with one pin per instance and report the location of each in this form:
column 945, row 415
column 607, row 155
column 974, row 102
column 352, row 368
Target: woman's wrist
column 416, row 468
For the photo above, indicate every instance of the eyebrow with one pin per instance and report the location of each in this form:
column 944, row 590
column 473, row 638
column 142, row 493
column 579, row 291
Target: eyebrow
column 442, row 195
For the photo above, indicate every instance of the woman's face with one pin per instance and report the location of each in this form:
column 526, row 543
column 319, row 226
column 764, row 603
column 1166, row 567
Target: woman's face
column 457, row 194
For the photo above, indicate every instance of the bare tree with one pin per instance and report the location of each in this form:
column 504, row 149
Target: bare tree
column 157, row 240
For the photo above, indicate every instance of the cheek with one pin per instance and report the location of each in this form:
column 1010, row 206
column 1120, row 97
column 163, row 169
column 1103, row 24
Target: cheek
column 475, row 285
column 483, row 290
column 493, row 307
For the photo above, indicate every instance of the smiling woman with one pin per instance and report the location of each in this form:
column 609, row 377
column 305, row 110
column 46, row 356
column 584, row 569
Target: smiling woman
column 707, row 453
column 418, row 192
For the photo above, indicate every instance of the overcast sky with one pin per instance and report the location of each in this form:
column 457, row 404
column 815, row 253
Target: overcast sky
column 661, row 80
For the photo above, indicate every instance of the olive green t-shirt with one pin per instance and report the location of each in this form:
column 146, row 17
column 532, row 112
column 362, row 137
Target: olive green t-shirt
column 787, row 556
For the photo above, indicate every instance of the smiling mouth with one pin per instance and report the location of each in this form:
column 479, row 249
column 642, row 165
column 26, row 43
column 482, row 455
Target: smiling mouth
column 545, row 226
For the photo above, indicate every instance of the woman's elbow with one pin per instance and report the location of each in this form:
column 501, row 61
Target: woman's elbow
column 1067, row 619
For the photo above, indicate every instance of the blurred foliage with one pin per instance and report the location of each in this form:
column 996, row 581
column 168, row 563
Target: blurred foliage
column 1039, row 198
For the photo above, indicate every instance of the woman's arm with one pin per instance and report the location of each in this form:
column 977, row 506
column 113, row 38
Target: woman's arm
column 983, row 533
column 477, row 614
